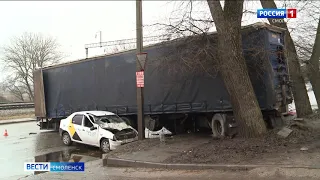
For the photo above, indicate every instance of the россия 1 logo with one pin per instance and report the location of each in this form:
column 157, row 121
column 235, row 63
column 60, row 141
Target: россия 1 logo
column 277, row 13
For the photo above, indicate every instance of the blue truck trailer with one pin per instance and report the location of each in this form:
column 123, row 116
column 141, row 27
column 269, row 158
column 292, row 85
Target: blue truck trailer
column 172, row 97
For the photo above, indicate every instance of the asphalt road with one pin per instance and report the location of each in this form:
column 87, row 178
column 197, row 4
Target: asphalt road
column 26, row 143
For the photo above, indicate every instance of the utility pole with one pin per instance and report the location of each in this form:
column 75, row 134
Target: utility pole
column 139, row 68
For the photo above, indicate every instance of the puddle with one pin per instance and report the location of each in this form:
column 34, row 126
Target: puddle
column 83, row 154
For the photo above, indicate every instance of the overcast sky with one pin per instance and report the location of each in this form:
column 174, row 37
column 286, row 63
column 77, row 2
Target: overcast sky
column 75, row 24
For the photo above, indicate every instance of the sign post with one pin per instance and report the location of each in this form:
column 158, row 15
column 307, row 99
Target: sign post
column 141, row 63
column 141, row 59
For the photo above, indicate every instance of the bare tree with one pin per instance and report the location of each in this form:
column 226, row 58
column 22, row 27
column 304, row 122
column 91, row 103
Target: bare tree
column 307, row 41
column 300, row 94
column 233, row 67
column 313, row 65
column 25, row 54
column 17, row 89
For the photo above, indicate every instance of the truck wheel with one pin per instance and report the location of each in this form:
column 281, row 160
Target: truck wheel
column 66, row 139
column 105, row 145
column 218, row 126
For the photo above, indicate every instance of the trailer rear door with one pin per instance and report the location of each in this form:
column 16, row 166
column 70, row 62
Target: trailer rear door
column 39, row 98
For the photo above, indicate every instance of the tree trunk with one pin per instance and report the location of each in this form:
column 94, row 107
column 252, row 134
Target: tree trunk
column 30, row 93
column 19, row 95
column 315, row 82
column 300, row 94
column 313, row 66
column 236, row 78
column 233, row 68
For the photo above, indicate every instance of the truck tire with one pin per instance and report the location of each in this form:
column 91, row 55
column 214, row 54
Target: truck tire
column 218, row 126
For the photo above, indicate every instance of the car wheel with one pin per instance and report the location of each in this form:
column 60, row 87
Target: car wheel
column 105, row 145
column 66, row 139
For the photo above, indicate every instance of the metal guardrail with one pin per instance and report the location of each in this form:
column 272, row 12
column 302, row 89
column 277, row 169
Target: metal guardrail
column 16, row 106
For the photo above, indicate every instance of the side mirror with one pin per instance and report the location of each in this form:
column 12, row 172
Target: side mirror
column 93, row 128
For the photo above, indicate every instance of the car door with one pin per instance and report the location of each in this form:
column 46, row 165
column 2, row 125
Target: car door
column 90, row 135
column 75, row 128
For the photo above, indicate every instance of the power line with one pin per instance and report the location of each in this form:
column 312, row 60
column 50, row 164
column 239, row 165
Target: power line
column 149, row 39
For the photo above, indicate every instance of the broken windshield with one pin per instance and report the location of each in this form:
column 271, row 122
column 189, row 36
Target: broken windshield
column 108, row 119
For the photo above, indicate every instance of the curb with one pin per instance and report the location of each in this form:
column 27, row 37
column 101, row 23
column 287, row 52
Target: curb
column 117, row 162
column 3, row 122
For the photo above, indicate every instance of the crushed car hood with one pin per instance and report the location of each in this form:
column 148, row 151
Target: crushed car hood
column 117, row 126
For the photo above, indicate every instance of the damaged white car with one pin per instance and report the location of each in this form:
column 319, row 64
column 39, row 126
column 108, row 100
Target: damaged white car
column 96, row 128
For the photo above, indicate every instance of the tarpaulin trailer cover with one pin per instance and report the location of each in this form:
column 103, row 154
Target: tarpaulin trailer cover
column 109, row 82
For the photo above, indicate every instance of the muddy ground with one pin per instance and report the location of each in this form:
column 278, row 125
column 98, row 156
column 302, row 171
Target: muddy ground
column 247, row 151
column 201, row 148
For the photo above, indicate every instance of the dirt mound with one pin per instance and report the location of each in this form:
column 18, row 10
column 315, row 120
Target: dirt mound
column 245, row 151
column 196, row 148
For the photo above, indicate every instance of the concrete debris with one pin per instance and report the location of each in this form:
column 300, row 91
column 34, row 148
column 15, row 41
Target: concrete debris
column 156, row 134
column 284, row 132
column 298, row 119
column 299, row 124
column 304, row 149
